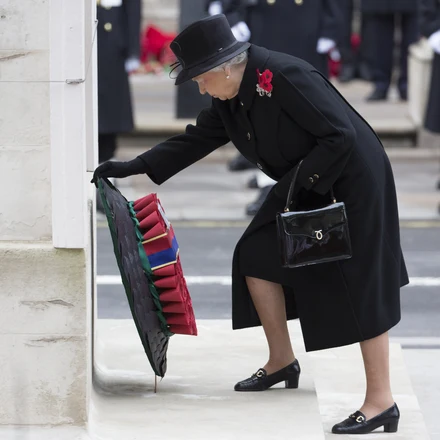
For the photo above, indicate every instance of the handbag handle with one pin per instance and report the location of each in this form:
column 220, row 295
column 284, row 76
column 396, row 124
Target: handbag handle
column 292, row 189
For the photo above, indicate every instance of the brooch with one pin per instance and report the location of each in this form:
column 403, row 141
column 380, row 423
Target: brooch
column 264, row 86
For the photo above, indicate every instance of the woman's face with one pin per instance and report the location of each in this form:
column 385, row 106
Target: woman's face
column 218, row 85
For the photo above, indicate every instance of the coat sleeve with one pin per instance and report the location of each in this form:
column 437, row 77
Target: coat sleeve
column 332, row 19
column 309, row 100
column 133, row 11
column 429, row 17
column 179, row 152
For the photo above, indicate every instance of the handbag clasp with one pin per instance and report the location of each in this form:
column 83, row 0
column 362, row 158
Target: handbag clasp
column 319, row 234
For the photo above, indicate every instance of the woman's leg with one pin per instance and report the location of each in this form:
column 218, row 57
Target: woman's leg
column 269, row 301
column 375, row 353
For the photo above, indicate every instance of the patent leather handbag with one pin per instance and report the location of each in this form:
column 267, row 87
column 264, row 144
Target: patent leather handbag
column 315, row 236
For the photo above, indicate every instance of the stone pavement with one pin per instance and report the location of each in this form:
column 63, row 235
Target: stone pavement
column 196, row 400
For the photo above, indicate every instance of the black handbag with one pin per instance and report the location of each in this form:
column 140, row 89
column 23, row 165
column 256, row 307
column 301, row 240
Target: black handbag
column 315, row 236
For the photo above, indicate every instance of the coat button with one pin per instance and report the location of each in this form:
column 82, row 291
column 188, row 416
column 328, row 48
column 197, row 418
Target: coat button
column 299, row 2
column 241, row 102
column 108, row 27
column 271, row 2
column 316, row 176
column 311, row 180
column 248, row 136
column 259, row 166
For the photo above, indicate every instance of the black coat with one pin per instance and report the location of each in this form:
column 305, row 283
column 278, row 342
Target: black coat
column 118, row 40
column 306, row 118
column 291, row 27
column 389, row 6
column 430, row 23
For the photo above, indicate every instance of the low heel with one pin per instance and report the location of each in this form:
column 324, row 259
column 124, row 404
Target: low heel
column 391, row 426
column 292, row 383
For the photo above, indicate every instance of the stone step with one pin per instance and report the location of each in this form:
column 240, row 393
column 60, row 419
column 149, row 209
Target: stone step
column 340, row 386
column 196, row 399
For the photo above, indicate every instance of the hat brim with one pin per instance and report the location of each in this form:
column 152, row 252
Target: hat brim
column 187, row 74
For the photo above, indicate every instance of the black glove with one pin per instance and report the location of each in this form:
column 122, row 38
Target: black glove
column 119, row 169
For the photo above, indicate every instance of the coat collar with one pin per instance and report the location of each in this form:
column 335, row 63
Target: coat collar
column 258, row 57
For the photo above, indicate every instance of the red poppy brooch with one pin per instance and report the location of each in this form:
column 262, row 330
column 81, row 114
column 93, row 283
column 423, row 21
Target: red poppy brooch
column 264, row 86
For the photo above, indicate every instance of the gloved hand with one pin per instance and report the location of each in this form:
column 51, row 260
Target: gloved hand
column 434, row 41
column 119, row 169
column 325, row 45
column 241, row 31
column 215, row 8
column 132, row 64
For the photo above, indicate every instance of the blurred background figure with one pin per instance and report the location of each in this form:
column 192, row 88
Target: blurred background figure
column 119, row 24
column 430, row 28
column 303, row 28
column 355, row 43
column 382, row 17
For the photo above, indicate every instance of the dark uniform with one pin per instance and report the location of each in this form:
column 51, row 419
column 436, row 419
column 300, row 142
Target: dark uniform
column 291, row 27
column 430, row 23
column 306, row 118
column 354, row 64
column 118, row 41
column 381, row 16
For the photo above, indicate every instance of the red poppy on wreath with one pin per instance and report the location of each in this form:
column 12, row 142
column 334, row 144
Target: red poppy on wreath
column 264, row 86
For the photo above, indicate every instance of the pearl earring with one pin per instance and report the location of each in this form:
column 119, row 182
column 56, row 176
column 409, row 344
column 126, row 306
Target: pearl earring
column 227, row 76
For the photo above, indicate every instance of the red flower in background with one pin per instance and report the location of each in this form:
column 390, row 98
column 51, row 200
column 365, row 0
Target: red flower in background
column 264, row 86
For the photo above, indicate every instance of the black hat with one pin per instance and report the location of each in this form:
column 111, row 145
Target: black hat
column 204, row 45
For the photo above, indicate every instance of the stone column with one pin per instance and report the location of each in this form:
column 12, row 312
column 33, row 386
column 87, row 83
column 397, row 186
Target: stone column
column 47, row 143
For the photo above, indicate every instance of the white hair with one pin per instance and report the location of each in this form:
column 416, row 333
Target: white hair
column 238, row 59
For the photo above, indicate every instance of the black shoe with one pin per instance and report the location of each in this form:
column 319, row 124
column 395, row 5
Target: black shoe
column 403, row 94
column 261, row 381
column 240, row 163
column 253, row 183
column 254, row 207
column 378, row 95
column 357, row 423
column 348, row 73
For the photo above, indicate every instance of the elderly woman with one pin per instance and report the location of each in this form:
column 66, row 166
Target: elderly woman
column 279, row 110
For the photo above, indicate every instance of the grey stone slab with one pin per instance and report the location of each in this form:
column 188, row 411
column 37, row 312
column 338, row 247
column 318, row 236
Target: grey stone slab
column 196, row 400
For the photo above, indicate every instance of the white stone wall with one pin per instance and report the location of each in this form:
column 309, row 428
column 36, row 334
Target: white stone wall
column 24, row 120
column 46, row 278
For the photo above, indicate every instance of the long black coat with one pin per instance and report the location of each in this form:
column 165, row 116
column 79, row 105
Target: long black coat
column 291, row 27
column 389, row 6
column 430, row 23
column 118, row 40
column 338, row 303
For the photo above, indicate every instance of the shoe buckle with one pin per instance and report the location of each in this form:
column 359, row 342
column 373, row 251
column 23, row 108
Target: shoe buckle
column 259, row 373
column 359, row 419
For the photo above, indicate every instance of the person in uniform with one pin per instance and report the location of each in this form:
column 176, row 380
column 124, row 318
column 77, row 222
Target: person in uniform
column 279, row 110
column 430, row 28
column 119, row 24
column 307, row 29
column 382, row 16
column 354, row 63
